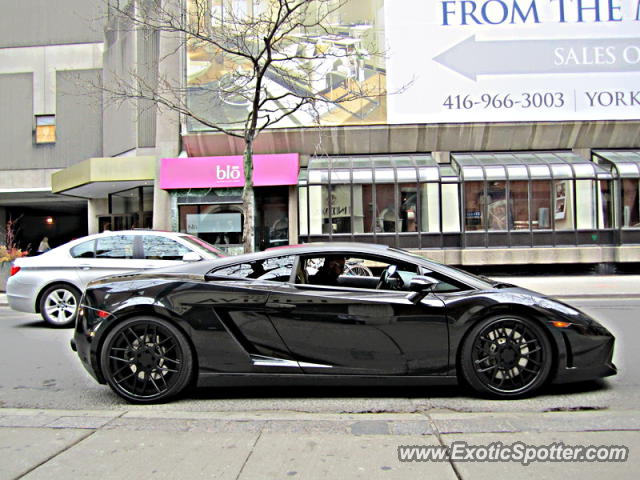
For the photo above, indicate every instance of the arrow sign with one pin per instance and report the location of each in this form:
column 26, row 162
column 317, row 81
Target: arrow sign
column 471, row 58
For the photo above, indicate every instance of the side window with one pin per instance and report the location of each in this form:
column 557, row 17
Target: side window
column 115, row 246
column 276, row 269
column 445, row 284
column 156, row 247
column 84, row 250
column 355, row 272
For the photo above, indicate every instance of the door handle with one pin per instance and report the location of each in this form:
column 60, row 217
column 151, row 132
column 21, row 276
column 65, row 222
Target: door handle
column 282, row 306
column 85, row 267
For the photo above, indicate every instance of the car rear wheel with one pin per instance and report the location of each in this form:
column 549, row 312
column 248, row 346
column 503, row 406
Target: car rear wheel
column 506, row 357
column 59, row 305
column 146, row 360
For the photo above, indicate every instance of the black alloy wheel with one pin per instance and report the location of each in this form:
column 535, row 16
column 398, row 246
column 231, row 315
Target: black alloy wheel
column 146, row 360
column 506, row 357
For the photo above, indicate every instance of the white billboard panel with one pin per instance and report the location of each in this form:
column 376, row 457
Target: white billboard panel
column 512, row 60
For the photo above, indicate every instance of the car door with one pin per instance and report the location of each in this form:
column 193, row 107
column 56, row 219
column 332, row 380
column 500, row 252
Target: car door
column 346, row 330
column 159, row 251
column 111, row 255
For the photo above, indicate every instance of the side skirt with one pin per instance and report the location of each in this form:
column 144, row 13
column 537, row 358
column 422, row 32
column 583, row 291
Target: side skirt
column 265, row 379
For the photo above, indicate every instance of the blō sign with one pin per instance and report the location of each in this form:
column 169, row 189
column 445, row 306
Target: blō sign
column 228, row 171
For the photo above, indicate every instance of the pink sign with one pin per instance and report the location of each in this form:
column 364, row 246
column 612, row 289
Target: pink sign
column 220, row 172
column 277, row 169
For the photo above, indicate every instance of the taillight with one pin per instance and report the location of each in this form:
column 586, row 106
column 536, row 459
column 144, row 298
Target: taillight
column 14, row 269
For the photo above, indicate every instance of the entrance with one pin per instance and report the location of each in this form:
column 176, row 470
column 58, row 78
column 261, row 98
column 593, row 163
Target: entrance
column 272, row 217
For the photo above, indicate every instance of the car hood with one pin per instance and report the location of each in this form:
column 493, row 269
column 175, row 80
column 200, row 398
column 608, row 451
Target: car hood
column 538, row 300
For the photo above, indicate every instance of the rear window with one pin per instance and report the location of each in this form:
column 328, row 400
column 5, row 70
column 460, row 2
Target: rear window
column 116, row 246
column 156, row 247
column 84, row 250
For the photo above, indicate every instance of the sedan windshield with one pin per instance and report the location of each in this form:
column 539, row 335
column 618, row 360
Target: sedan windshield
column 203, row 247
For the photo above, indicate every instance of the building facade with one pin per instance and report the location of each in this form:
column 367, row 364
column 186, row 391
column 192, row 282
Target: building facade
column 49, row 53
column 494, row 132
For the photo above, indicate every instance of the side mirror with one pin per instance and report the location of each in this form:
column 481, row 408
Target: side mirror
column 191, row 257
column 422, row 284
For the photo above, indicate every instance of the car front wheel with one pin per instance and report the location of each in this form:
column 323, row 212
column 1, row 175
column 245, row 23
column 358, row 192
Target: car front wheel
column 59, row 305
column 146, row 360
column 506, row 357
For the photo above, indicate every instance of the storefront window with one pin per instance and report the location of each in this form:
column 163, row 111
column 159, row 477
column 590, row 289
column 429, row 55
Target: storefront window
column 585, row 204
column 363, row 202
column 540, row 205
column 605, row 204
column 498, row 206
column 450, row 208
column 630, row 203
column 563, row 205
column 386, row 215
column 220, row 225
column 430, row 207
column 520, row 204
column 408, row 195
column 473, row 202
column 336, row 213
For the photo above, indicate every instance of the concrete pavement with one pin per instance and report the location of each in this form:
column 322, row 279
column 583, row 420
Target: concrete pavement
column 140, row 443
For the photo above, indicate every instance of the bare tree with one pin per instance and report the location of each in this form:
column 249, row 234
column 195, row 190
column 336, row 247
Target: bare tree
column 270, row 63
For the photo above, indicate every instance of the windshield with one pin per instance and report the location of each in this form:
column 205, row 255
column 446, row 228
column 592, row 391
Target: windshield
column 203, row 247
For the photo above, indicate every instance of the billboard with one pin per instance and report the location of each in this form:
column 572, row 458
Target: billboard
column 436, row 61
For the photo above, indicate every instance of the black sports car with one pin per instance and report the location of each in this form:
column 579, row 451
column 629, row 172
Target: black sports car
column 338, row 313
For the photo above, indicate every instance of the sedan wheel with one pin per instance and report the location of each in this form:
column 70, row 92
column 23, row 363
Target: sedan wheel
column 146, row 360
column 59, row 305
column 506, row 357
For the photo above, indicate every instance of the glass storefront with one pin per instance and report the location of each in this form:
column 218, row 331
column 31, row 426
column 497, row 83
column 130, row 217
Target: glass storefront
column 400, row 200
column 625, row 164
column 479, row 200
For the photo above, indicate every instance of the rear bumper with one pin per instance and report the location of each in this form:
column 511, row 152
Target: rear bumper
column 21, row 303
column 81, row 343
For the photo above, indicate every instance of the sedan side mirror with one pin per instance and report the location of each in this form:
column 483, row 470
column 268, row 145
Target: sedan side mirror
column 422, row 284
column 191, row 257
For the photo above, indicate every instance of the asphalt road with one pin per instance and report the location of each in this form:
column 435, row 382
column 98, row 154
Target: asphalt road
column 39, row 370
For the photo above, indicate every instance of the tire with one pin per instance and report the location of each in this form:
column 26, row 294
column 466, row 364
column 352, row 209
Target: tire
column 506, row 357
column 146, row 360
column 59, row 305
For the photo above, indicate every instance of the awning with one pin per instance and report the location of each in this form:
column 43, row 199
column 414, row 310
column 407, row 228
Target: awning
column 98, row 177
column 625, row 162
column 526, row 166
column 375, row 169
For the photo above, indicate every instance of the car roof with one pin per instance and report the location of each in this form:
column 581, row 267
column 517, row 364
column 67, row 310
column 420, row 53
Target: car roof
column 111, row 233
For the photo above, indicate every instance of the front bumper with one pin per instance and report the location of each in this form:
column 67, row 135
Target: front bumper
column 588, row 356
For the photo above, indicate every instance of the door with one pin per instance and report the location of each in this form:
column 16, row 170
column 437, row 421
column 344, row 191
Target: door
column 109, row 255
column 344, row 330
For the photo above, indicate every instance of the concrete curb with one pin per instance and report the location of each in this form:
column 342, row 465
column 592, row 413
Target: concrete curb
column 424, row 423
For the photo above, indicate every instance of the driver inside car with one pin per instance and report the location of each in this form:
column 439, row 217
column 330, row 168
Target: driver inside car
column 329, row 272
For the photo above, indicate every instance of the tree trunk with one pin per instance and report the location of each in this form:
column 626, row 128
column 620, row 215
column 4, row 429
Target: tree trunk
column 248, row 199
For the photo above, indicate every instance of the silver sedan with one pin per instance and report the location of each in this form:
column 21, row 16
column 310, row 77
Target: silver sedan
column 51, row 283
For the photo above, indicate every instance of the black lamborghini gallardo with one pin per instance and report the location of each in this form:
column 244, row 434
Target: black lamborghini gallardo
column 384, row 316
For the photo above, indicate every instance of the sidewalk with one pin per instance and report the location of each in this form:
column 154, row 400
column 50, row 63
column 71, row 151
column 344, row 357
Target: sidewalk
column 559, row 286
column 140, row 443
